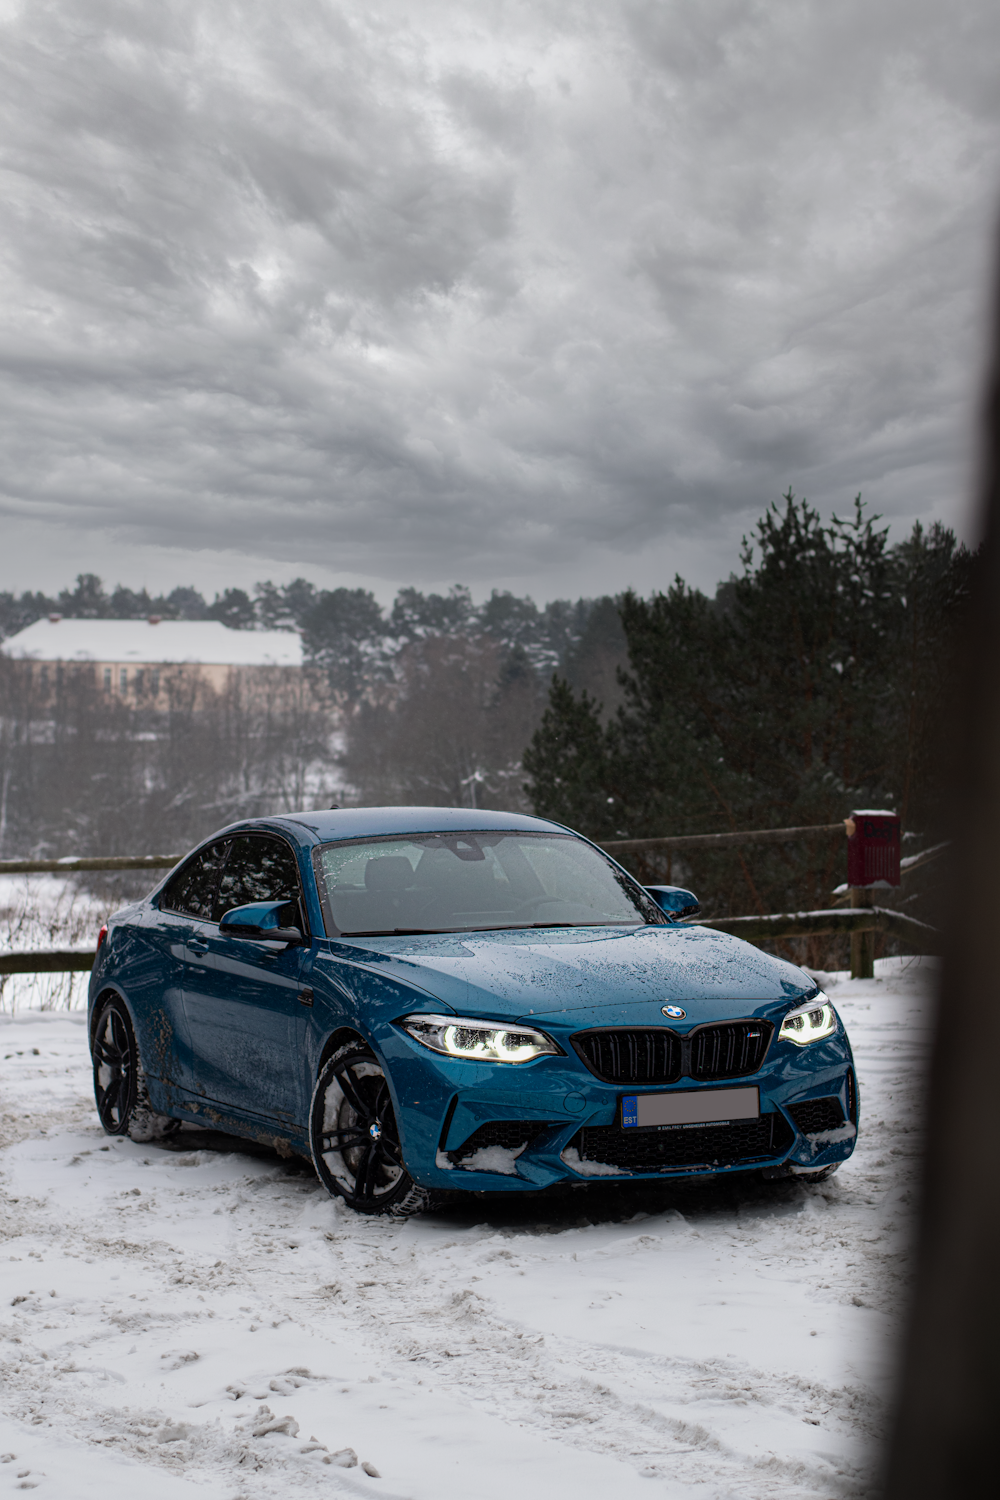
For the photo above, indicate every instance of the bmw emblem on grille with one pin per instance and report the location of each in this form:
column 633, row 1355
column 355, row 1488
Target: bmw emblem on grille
column 675, row 1012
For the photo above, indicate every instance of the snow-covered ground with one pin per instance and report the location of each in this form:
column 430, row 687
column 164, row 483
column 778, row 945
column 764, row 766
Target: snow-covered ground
column 204, row 1320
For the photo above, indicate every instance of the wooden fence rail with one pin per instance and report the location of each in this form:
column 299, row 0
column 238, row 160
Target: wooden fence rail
column 722, row 840
column 917, row 936
column 49, row 961
column 75, row 862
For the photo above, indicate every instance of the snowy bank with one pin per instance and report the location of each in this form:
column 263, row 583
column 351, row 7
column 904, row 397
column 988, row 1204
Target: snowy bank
column 203, row 1320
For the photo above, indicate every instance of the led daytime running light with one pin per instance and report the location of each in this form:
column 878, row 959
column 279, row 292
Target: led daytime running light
column 809, row 1022
column 460, row 1036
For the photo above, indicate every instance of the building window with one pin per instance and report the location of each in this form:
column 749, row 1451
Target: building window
column 107, row 679
column 140, row 674
column 43, row 677
column 154, row 682
column 123, row 679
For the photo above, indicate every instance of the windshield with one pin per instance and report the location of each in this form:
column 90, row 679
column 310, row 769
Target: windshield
column 465, row 882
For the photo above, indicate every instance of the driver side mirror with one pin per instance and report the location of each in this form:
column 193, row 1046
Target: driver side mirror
column 263, row 922
column 674, row 901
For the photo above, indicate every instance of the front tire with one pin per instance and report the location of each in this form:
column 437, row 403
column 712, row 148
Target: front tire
column 120, row 1092
column 355, row 1139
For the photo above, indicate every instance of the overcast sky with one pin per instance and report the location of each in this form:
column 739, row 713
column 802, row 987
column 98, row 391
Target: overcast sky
column 551, row 295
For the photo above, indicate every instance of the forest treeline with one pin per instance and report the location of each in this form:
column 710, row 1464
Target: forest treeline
column 347, row 634
column 430, row 701
column 813, row 681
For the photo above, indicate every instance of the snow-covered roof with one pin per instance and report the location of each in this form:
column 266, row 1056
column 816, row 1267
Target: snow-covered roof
column 201, row 642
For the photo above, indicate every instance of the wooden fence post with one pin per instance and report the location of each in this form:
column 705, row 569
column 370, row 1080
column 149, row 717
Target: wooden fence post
column 862, row 943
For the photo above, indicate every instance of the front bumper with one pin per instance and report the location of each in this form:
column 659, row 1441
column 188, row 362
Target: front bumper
column 494, row 1127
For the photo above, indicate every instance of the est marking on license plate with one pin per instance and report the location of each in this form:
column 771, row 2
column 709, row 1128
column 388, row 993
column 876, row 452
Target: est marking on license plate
column 689, row 1107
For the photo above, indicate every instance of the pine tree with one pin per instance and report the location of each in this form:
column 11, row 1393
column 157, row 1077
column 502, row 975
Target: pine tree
column 809, row 685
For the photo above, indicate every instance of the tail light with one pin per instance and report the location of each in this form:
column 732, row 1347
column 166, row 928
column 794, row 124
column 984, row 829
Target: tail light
column 101, row 936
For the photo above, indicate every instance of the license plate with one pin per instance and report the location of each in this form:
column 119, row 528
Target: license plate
column 689, row 1107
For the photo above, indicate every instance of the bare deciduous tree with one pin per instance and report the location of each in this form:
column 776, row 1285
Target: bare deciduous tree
column 450, row 728
column 83, row 770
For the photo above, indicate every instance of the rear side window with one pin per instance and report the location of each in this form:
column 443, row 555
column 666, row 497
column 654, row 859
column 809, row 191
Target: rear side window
column 258, row 869
column 192, row 890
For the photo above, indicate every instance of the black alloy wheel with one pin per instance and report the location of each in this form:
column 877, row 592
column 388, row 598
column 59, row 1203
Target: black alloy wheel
column 116, row 1068
column 355, row 1139
column 123, row 1104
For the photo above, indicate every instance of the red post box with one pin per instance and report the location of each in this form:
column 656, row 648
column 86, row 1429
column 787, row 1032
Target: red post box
column 872, row 849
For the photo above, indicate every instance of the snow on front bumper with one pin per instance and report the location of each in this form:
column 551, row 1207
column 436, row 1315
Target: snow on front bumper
column 494, row 1127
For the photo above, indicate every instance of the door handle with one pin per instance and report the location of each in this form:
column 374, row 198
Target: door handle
column 197, row 946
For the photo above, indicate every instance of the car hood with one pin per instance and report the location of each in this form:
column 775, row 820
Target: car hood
column 625, row 974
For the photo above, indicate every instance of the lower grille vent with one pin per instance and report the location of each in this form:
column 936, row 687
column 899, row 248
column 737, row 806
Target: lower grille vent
column 510, row 1134
column 669, row 1150
column 814, row 1115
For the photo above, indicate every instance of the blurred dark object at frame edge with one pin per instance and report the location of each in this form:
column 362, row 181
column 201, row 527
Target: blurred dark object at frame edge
column 948, row 1391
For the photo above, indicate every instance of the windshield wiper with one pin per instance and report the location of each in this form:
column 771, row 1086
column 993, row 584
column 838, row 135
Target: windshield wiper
column 407, row 931
column 504, row 927
column 561, row 924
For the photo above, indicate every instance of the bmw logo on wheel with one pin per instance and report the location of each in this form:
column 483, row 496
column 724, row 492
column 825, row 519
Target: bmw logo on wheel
column 675, row 1012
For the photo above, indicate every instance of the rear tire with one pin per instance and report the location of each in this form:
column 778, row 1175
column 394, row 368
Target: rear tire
column 120, row 1092
column 354, row 1137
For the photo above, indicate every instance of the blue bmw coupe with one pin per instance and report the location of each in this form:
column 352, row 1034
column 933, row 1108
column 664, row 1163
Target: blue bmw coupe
column 425, row 999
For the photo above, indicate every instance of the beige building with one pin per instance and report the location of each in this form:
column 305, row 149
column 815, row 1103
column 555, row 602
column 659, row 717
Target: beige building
column 136, row 659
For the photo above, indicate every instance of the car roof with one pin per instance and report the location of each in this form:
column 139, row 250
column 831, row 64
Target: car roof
column 328, row 824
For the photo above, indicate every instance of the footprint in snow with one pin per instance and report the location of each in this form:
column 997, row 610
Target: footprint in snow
column 179, row 1357
column 266, row 1422
column 344, row 1458
column 284, row 1385
column 174, row 1432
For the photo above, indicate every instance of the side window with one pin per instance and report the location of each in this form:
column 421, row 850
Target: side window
column 192, row 890
column 258, row 869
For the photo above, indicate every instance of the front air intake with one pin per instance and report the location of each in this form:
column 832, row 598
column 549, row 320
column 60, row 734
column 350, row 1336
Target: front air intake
column 742, row 1143
column 511, row 1135
column 637, row 1057
column 734, row 1049
column 813, row 1116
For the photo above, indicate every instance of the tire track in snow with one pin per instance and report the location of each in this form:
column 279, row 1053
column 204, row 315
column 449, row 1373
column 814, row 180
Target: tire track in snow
column 563, row 1389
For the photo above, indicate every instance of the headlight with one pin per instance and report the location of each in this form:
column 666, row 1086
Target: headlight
column 809, row 1022
column 457, row 1036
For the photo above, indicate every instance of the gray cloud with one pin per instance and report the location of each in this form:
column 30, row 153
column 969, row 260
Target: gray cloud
column 518, row 292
